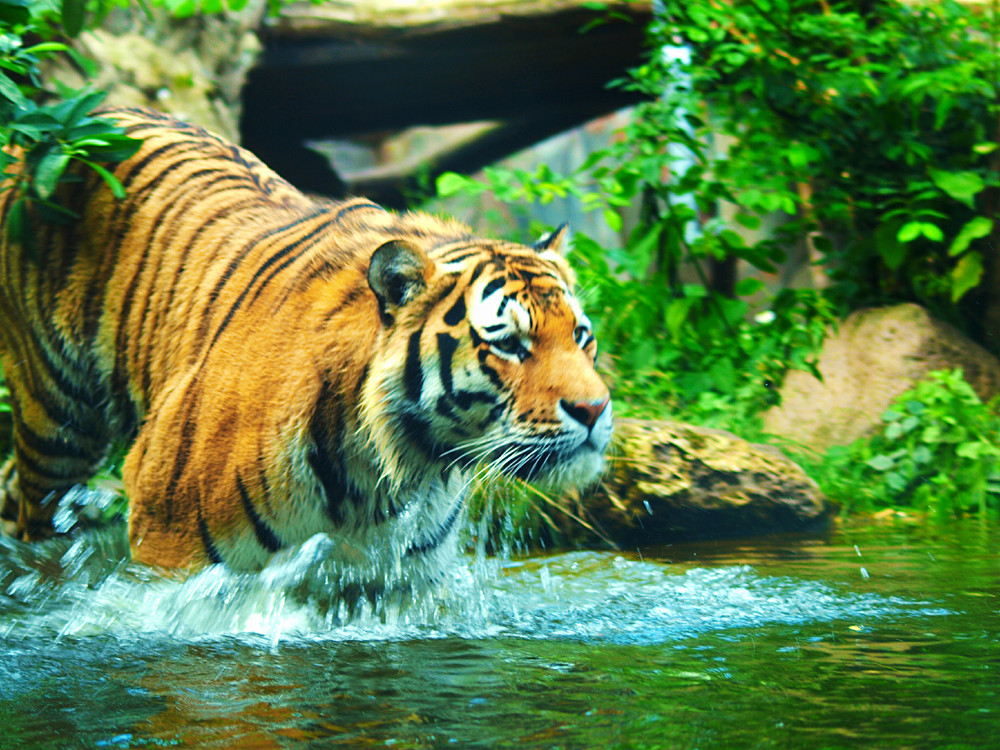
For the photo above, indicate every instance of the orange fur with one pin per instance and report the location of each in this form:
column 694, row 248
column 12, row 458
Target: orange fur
column 284, row 367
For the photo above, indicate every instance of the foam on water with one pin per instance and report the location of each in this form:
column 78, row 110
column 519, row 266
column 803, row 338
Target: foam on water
column 87, row 586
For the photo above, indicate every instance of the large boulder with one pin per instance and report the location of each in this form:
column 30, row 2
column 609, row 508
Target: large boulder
column 876, row 355
column 671, row 482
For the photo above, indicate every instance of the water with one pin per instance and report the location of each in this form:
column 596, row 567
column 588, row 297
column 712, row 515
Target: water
column 877, row 636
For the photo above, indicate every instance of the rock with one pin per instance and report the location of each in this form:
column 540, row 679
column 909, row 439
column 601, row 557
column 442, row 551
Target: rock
column 670, row 482
column 191, row 67
column 876, row 355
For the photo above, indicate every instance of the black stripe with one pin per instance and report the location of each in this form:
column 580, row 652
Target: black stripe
column 413, row 373
column 357, row 206
column 206, row 539
column 443, row 407
column 265, row 536
column 457, row 312
column 359, row 387
column 307, row 239
column 435, row 540
column 250, row 246
column 322, row 462
column 417, row 431
column 488, row 371
column 54, row 448
column 65, row 476
column 172, row 282
column 333, row 484
column 494, row 415
column 465, row 399
column 459, row 258
column 446, row 353
column 476, row 338
column 492, row 286
column 180, row 461
column 350, row 298
column 260, row 272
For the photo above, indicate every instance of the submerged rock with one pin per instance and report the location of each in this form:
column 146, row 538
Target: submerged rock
column 669, row 482
column 876, row 355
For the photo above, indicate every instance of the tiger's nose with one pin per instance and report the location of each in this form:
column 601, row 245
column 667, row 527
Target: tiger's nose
column 585, row 412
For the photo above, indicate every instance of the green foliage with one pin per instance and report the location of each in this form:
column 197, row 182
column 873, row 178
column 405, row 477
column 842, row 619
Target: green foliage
column 938, row 451
column 52, row 134
column 877, row 120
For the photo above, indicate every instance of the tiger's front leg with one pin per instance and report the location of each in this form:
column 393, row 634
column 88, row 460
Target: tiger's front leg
column 10, row 505
column 50, row 457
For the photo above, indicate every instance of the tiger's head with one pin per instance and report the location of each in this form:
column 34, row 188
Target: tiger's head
column 485, row 356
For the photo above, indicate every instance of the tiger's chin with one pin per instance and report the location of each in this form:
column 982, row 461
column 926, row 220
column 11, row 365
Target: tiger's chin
column 571, row 461
column 582, row 470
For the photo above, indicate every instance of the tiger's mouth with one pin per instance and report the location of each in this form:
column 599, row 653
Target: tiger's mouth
column 569, row 457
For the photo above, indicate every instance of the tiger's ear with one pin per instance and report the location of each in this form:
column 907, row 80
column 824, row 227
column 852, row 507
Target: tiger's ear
column 397, row 273
column 553, row 240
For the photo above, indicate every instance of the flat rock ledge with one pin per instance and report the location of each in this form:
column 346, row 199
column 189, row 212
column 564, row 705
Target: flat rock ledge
column 671, row 482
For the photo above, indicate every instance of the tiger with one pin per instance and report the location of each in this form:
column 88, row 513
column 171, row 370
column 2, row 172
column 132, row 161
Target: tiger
column 282, row 366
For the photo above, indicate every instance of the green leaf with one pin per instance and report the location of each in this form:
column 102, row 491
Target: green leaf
column 18, row 221
column 962, row 186
column 10, row 91
column 895, row 481
column 117, row 189
column 966, row 275
column 748, row 286
column 15, row 11
column 73, row 14
column 909, row 231
column 750, row 221
column 974, row 229
column 677, row 314
column 450, row 183
column 971, row 450
column 48, row 172
column 881, row 463
column 931, row 231
column 613, row 219
column 45, row 47
column 892, row 250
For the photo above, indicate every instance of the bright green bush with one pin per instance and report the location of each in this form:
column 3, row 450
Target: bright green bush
column 873, row 124
column 938, row 451
column 54, row 128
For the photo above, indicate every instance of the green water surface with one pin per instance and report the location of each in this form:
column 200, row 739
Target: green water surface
column 872, row 636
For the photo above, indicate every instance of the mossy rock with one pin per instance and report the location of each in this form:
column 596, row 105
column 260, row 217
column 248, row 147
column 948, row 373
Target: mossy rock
column 670, row 482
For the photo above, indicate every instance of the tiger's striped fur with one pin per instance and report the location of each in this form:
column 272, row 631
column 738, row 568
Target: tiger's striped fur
column 284, row 366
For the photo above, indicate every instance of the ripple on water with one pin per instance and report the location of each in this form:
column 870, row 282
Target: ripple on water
column 87, row 586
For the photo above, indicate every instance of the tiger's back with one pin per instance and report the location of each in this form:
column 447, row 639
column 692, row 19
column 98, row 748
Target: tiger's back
column 284, row 366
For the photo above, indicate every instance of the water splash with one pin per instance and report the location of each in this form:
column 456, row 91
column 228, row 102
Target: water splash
column 87, row 586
